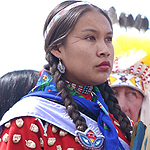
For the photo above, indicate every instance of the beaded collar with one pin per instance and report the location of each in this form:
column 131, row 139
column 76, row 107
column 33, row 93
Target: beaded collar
column 82, row 89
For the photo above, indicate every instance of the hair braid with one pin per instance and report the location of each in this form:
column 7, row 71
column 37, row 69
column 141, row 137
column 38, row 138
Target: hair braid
column 114, row 108
column 68, row 100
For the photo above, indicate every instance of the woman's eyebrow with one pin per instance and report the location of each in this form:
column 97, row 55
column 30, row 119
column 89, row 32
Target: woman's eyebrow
column 111, row 32
column 88, row 29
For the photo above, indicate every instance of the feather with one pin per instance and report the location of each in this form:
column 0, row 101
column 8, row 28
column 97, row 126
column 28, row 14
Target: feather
column 132, row 48
column 130, row 20
column 113, row 15
column 123, row 20
column 131, row 58
column 144, row 24
column 138, row 22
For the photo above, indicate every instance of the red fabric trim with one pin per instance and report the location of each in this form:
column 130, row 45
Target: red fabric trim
column 120, row 133
column 65, row 142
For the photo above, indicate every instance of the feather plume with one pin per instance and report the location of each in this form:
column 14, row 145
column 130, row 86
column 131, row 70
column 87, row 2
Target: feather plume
column 132, row 48
column 131, row 58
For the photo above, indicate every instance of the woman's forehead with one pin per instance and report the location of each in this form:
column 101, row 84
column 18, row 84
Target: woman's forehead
column 93, row 20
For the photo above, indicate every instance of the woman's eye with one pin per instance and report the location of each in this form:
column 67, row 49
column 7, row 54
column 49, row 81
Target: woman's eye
column 90, row 38
column 109, row 39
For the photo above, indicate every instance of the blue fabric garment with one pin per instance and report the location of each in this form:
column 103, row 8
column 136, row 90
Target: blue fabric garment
column 137, row 144
column 46, row 88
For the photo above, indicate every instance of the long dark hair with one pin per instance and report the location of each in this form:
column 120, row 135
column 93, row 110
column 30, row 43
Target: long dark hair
column 14, row 85
column 56, row 36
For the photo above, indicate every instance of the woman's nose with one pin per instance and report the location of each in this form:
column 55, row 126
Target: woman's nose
column 103, row 50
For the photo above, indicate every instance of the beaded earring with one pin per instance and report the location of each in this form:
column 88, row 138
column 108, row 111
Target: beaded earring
column 61, row 67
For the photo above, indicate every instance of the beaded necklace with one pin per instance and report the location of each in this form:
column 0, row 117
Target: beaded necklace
column 82, row 89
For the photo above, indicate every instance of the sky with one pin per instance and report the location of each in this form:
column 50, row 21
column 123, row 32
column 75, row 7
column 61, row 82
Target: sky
column 21, row 29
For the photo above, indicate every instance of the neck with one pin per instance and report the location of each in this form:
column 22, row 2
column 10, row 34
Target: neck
column 83, row 89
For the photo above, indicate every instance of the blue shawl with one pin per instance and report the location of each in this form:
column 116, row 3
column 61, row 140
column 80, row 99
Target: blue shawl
column 46, row 88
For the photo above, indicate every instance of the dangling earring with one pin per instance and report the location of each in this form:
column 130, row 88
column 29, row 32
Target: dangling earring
column 61, row 67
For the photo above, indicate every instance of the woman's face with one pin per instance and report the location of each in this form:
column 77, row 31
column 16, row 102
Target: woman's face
column 88, row 51
column 130, row 101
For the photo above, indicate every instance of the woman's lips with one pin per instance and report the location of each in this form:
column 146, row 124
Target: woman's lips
column 105, row 65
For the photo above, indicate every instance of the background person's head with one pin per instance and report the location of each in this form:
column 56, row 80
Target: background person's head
column 130, row 76
column 14, row 85
column 130, row 101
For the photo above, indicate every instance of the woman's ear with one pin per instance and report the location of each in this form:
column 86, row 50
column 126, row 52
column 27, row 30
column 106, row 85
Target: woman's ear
column 57, row 52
